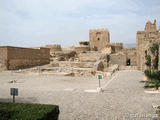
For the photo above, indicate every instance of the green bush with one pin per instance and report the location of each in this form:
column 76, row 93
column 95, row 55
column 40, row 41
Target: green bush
column 154, row 48
column 148, row 73
column 154, row 79
column 21, row 111
column 85, row 43
column 148, row 60
column 152, row 72
column 155, row 52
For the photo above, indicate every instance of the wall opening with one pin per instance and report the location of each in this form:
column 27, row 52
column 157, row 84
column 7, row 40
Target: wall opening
column 128, row 62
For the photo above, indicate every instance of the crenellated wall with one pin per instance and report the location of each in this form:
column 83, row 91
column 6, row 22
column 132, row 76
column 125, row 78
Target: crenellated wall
column 54, row 48
column 117, row 46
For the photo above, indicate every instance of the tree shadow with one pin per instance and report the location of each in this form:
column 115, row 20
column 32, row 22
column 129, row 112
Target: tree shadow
column 20, row 100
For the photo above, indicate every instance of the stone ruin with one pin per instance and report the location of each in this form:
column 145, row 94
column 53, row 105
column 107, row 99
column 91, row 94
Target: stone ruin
column 145, row 39
column 82, row 47
column 89, row 58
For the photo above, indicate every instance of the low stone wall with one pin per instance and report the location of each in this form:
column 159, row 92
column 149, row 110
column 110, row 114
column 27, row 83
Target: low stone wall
column 131, row 54
column 89, row 57
column 81, row 48
column 119, row 59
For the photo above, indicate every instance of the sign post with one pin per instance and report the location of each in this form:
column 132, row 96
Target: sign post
column 14, row 92
column 99, row 77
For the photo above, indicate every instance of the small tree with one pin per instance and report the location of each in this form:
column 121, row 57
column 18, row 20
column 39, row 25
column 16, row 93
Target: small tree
column 148, row 61
column 155, row 52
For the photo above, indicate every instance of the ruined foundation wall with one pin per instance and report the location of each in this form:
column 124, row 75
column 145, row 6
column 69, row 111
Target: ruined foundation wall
column 26, row 57
column 81, row 49
column 118, row 58
column 131, row 54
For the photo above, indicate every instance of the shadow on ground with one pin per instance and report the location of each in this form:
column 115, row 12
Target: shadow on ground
column 20, row 100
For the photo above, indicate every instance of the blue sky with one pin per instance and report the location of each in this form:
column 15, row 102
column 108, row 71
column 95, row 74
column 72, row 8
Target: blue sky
column 66, row 22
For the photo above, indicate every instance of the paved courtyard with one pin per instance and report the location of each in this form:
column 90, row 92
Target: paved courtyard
column 123, row 97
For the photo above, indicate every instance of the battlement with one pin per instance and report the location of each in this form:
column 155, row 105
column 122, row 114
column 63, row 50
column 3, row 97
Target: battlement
column 117, row 44
column 54, row 47
column 129, row 49
column 151, row 27
column 99, row 30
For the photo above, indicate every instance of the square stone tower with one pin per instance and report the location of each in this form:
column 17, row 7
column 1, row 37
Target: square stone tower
column 99, row 38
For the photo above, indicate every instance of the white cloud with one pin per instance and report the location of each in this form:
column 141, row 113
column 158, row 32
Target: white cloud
column 40, row 22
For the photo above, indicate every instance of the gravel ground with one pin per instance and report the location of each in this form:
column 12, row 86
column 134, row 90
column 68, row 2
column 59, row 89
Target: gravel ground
column 123, row 97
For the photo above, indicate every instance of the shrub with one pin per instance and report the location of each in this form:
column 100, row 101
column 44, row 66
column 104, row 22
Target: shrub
column 155, row 51
column 85, row 43
column 154, row 78
column 148, row 73
column 148, row 60
column 21, row 111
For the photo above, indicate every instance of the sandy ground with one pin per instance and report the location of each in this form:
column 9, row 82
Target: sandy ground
column 123, row 97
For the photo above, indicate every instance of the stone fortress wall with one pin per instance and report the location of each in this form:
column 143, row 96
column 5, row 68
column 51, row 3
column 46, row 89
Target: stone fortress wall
column 17, row 57
column 117, row 46
column 131, row 55
column 117, row 54
column 91, row 57
column 82, row 47
column 144, row 40
column 54, row 48
column 125, row 57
